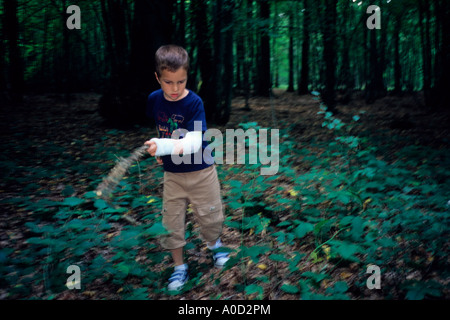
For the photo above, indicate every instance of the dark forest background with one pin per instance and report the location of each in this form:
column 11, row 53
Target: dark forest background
column 237, row 48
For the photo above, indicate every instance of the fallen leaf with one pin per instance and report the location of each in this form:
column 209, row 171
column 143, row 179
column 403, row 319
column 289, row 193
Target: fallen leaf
column 262, row 266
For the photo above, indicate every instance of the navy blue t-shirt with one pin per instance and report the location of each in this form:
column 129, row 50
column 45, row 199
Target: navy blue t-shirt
column 181, row 114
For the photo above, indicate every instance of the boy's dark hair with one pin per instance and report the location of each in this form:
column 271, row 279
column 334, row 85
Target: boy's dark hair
column 171, row 57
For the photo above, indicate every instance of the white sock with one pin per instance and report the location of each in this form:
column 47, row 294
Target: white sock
column 218, row 244
column 182, row 267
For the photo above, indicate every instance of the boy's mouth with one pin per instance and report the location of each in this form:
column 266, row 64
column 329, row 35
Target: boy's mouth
column 174, row 96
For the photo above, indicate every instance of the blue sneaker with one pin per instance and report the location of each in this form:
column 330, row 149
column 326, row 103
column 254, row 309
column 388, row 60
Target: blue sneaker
column 220, row 258
column 178, row 278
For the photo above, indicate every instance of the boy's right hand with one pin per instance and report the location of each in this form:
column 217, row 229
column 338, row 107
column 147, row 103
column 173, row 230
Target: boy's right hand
column 152, row 150
column 151, row 147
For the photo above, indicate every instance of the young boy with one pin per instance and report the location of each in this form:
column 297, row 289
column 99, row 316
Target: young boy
column 176, row 108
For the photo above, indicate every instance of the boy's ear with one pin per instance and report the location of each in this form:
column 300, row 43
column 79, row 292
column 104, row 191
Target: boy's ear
column 157, row 79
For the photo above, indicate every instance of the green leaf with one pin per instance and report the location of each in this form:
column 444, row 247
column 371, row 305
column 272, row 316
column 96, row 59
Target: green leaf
column 346, row 249
column 303, row 229
column 284, row 223
column 233, row 224
column 289, row 288
column 156, row 229
column 339, row 287
column 123, row 268
column 76, row 224
column 316, row 277
column 254, row 288
column 90, row 195
column 100, row 204
column 235, row 184
column 346, row 221
column 417, row 290
column 126, row 239
column 254, row 252
column 68, row 190
column 72, row 202
column 278, row 257
column 235, row 205
column 322, row 227
column 357, row 228
column 138, row 294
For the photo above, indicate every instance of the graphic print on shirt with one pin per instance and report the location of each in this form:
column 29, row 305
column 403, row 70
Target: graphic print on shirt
column 177, row 118
column 167, row 125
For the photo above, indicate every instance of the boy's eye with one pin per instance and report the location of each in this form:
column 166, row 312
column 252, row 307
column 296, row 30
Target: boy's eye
column 171, row 82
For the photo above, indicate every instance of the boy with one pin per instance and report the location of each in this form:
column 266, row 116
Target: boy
column 176, row 108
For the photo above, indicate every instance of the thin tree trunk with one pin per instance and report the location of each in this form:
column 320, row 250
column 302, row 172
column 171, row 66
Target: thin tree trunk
column 291, row 53
column 397, row 67
column 304, row 75
column 16, row 68
column 181, row 25
column 329, row 52
column 443, row 78
column 264, row 78
column 249, row 45
column 219, row 47
column 205, row 57
column 426, row 50
column 223, row 114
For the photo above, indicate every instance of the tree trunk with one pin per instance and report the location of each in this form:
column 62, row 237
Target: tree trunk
column 329, row 52
column 3, row 75
column 426, row 50
column 304, row 75
column 375, row 87
column 264, row 86
column 219, row 47
column 346, row 75
column 240, row 60
column 224, row 111
column 247, row 63
column 204, row 55
column 291, row 53
column 132, row 70
column 16, row 68
column 443, row 77
column 180, row 33
column 397, row 67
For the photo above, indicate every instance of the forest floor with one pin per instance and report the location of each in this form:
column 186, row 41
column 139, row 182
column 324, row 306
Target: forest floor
column 54, row 153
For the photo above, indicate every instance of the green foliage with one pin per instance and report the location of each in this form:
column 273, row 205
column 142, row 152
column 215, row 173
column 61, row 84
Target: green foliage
column 354, row 206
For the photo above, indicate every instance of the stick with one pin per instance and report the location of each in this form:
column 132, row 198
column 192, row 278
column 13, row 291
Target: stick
column 110, row 182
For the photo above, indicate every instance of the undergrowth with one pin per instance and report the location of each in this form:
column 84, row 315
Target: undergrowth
column 302, row 233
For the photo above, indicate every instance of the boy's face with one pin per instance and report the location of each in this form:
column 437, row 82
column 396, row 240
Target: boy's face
column 173, row 84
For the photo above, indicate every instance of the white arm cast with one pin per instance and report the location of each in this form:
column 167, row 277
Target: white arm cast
column 191, row 143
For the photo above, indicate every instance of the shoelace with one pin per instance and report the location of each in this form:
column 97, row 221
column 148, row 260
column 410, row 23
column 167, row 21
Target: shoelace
column 179, row 275
column 219, row 255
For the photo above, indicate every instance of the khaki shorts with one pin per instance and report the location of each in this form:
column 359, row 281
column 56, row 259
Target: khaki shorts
column 202, row 190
